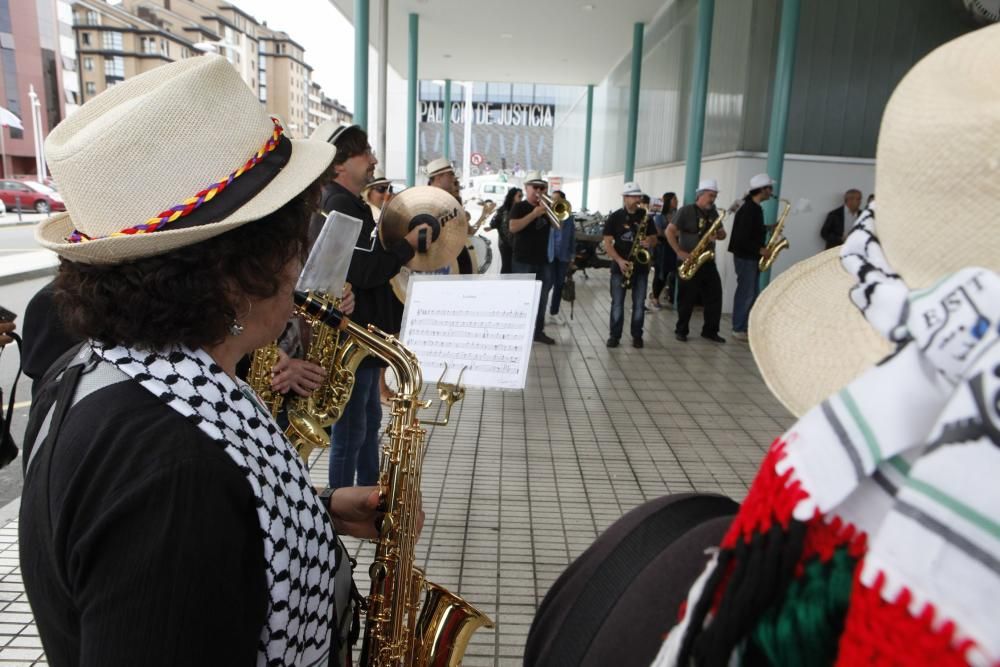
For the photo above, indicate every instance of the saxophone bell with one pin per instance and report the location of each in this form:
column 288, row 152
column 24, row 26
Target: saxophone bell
column 777, row 242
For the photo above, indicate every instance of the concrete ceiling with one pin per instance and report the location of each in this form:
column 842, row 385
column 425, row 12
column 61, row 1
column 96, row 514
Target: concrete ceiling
column 571, row 42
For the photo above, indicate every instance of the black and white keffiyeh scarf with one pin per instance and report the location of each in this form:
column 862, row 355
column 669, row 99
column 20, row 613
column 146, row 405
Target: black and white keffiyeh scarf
column 871, row 534
column 299, row 542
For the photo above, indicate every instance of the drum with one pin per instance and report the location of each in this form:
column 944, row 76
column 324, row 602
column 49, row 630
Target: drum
column 481, row 250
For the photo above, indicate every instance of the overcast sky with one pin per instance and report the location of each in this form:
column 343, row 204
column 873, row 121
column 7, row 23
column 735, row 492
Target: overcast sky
column 326, row 35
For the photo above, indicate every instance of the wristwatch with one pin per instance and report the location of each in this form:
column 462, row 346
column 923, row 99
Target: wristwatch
column 325, row 495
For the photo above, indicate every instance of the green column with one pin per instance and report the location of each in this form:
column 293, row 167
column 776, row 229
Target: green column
column 411, row 104
column 699, row 92
column 779, row 109
column 586, row 146
column 633, row 102
column 447, row 119
column 361, row 63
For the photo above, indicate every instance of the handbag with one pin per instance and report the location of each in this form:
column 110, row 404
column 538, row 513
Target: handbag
column 8, row 450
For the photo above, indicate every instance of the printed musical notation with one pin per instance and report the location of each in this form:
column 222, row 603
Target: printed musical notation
column 482, row 325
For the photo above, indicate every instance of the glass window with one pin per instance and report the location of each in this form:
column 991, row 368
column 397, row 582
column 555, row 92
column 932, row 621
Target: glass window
column 91, row 88
column 112, row 41
column 88, row 63
column 85, row 38
column 114, row 67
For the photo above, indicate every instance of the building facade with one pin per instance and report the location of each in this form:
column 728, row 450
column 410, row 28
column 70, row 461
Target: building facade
column 36, row 56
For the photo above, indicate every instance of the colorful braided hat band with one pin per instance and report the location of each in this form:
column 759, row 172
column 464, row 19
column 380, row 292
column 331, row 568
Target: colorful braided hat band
column 192, row 204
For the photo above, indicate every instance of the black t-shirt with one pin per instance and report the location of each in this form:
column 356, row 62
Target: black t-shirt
column 749, row 233
column 531, row 244
column 623, row 226
column 141, row 545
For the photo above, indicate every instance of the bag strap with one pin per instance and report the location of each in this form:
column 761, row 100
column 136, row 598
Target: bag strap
column 8, row 450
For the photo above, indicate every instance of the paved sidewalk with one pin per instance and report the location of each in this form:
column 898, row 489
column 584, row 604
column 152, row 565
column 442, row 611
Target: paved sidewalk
column 522, row 482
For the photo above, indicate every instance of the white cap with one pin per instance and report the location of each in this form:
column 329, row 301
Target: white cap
column 632, row 189
column 438, row 166
column 708, row 184
column 761, row 181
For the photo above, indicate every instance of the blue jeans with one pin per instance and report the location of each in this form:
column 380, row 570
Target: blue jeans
column 747, row 288
column 557, row 278
column 639, row 280
column 354, row 446
column 541, row 273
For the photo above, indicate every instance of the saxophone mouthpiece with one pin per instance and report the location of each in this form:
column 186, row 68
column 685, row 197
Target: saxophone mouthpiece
column 319, row 307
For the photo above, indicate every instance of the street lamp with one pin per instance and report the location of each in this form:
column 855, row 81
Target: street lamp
column 36, row 119
column 467, row 137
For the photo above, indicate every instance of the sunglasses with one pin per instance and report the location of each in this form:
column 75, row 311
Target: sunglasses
column 383, row 188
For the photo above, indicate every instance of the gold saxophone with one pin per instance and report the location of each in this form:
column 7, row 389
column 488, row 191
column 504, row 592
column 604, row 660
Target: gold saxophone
column 778, row 242
column 637, row 254
column 702, row 252
column 399, row 630
column 308, row 417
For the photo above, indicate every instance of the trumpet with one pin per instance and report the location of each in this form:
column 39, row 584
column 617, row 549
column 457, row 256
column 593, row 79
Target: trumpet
column 557, row 212
column 778, row 242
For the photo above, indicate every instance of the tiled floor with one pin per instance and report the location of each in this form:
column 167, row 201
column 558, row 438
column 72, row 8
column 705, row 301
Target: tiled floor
column 522, row 482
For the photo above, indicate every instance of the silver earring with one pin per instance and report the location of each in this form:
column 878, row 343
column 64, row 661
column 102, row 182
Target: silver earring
column 235, row 328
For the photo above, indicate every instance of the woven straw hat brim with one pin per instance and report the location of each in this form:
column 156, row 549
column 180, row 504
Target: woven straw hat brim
column 806, row 336
column 308, row 161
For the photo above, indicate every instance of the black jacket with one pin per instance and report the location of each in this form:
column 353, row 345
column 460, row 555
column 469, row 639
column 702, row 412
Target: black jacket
column 370, row 272
column 749, row 234
column 833, row 228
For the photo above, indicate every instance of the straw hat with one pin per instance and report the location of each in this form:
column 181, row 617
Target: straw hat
column 377, row 180
column 631, row 189
column 534, row 178
column 438, row 166
column 169, row 158
column 330, row 131
column 939, row 138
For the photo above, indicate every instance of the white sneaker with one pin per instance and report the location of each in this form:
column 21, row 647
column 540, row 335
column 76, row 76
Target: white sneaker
column 559, row 319
column 740, row 335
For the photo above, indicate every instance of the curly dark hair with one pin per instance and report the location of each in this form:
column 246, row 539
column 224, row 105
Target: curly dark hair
column 186, row 295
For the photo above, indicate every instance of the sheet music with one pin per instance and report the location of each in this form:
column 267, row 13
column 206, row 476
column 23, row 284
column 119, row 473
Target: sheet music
column 483, row 324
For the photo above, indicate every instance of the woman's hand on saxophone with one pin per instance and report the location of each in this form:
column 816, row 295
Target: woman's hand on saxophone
column 357, row 511
column 298, row 375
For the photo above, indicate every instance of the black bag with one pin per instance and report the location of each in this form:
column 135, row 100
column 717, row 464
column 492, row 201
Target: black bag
column 569, row 289
column 8, row 450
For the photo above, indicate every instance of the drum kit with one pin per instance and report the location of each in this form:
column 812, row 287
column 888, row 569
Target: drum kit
column 446, row 249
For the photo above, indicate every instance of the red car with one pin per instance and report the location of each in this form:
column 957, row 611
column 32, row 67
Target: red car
column 30, row 196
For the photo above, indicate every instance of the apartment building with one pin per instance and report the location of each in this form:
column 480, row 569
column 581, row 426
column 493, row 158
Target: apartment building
column 285, row 81
column 114, row 44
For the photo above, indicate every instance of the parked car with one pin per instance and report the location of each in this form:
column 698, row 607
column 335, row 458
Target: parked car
column 30, row 196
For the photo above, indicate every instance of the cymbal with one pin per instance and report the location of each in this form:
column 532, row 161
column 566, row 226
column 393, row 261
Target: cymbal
column 435, row 207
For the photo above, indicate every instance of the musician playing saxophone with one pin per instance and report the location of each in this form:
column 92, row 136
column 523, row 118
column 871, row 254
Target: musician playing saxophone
column 748, row 245
column 624, row 231
column 683, row 233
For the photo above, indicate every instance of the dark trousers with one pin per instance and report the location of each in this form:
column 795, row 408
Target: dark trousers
column 665, row 265
column 542, row 274
column 706, row 287
column 557, row 278
column 506, row 259
column 639, row 281
column 354, row 446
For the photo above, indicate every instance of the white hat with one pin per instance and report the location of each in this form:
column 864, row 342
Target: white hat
column 168, row 158
column 631, row 189
column 534, row 178
column 331, row 131
column 939, row 133
column 708, row 184
column 439, row 166
column 377, row 179
column 762, row 181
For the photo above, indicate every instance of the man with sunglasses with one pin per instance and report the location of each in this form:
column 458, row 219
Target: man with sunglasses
column 377, row 193
column 530, row 228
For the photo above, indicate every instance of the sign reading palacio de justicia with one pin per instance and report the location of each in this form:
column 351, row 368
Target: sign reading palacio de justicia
column 492, row 113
